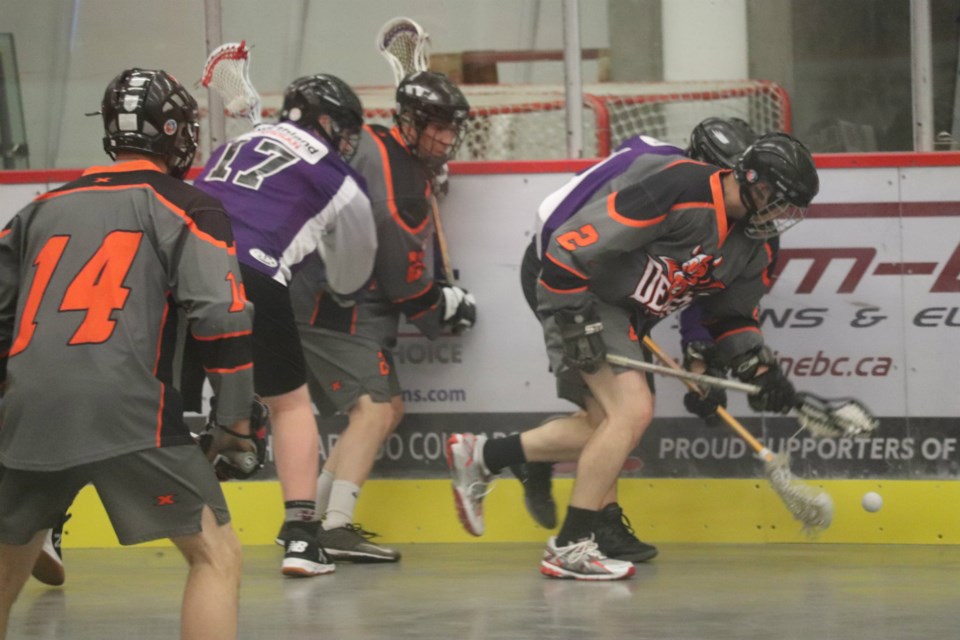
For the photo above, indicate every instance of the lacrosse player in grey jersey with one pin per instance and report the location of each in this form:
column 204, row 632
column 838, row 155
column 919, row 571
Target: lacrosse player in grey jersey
column 91, row 277
column 610, row 272
column 348, row 347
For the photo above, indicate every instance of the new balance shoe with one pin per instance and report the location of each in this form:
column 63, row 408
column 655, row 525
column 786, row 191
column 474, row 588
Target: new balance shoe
column 537, row 479
column 48, row 568
column 617, row 539
column 471, row 481
column 352, row 543
column 582, row 560
column 284, row 534
column 303, row 556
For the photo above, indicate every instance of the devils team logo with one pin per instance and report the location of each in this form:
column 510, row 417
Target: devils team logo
column 667, row 285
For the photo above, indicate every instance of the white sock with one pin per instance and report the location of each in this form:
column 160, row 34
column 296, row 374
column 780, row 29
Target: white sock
column 343, row 500
column 324, row 485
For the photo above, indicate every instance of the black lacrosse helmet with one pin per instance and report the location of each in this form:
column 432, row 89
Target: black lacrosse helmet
column 720, row 141
column 428, row 96
column 784, row 164
column 309, row 97
column 149, row 112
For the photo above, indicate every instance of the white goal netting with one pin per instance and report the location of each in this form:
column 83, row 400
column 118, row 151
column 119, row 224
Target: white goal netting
column 528, row 122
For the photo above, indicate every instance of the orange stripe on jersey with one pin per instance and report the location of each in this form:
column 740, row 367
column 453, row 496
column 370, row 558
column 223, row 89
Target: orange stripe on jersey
column 187, row 220
column 5, row 232
column 565, row 267
column 241, row 367
column 388, row 180
column 561, row 291
column 223, row 336
column 121, row 167
column 612, row 212
column 681, row 161
column 720, row 206
column 766, row 275
column 415, row 295
column 163, row 389
column 734, row 332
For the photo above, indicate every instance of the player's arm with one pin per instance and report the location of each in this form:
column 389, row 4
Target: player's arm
column 733, row 320
column 348, row 242
column 405, row 279
column 206, row 282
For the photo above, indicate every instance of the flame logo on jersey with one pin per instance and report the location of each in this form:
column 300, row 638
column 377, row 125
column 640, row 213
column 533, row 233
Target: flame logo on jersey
column 667, row 285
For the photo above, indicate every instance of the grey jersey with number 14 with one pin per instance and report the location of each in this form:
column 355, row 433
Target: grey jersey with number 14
column 91, row 276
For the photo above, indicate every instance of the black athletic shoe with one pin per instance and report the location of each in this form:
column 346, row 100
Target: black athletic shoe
column 48, row 568
column 303, row 556
column 616, row 537
column 537, row 479
column 284, row 534
column 352, row 543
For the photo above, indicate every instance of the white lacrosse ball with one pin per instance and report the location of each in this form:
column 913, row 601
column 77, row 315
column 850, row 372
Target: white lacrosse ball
column 871, row 501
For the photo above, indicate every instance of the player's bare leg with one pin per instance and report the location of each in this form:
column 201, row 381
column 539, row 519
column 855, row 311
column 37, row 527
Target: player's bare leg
column 295, row 443
column 212, row 593
column 628, row 405
column 16, row 563
column 296, row 446
column 350, row 463
column 628, row 409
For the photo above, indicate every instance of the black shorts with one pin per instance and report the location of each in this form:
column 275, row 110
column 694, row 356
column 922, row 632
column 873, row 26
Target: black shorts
column 278, row 364
column 148, row 495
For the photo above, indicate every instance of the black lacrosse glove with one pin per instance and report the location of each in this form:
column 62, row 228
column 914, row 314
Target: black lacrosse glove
column 232, row 463
column 704, row 404
column 459, row 308
column 580, row 330
column 776, row 394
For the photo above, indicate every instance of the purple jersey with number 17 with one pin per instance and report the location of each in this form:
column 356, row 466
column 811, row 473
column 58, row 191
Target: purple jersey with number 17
column 289, row 196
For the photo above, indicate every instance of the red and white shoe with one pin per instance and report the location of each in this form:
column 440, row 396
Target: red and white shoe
column 582, row 560
column 471, row 480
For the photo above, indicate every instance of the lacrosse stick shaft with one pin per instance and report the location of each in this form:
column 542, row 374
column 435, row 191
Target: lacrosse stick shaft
column 683, row 374
column 448, row 271
column 728, row 419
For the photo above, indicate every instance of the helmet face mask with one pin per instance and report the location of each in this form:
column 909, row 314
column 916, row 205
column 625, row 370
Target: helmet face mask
column 149, row 112
column 307, row 99
column 778, row 180
column 432, row 114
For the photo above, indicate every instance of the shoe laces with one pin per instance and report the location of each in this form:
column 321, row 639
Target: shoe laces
column 584, row 550
column 480, row 489
column 360, row 531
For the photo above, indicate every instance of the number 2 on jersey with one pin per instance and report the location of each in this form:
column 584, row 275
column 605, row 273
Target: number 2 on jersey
column 97, row 289
column 582, row 237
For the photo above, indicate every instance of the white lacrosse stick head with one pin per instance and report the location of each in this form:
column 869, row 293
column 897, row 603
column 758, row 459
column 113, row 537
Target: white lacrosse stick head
column 227, row 70
column 405, row 45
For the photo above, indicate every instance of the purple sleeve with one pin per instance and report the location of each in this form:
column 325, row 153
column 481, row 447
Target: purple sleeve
column 691, row 326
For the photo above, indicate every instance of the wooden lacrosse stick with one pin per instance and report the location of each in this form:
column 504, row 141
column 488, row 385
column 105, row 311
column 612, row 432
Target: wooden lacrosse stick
column 812, row 507
column 406, row 46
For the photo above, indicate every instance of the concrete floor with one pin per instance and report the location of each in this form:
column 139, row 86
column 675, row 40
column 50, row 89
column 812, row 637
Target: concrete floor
column 494, row 591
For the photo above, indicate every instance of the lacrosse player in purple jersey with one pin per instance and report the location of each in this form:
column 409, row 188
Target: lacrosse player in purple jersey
column 91, row 277
column 682, row 229
column 295, row 203
column 348, row 349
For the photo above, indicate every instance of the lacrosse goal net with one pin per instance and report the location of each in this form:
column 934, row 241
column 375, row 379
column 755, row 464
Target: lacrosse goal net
column 528, row 122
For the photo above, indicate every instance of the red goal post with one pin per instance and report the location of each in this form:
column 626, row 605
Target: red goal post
column 528, row 122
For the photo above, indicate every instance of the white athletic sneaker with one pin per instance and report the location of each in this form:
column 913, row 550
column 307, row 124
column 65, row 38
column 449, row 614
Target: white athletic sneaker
column 471, row 480
column 582, row 561
column 48, row 568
